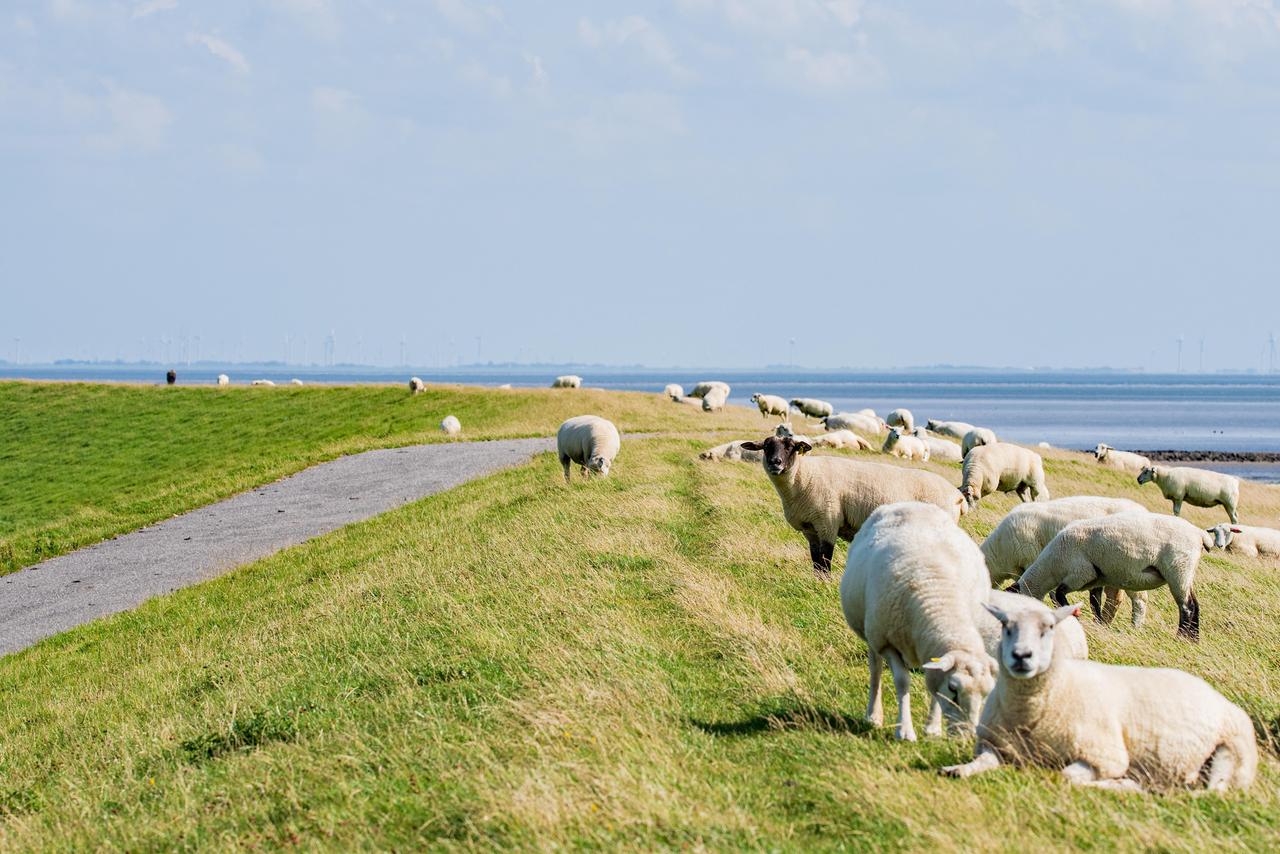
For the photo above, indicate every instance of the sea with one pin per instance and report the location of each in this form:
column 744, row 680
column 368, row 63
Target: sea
column 1070, row 409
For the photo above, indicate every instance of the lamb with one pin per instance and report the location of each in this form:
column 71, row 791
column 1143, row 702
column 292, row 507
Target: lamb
column 1197, row 487
column 223, row 379
column 1248, row 540
column 673, row 390
column 451, row 426
column 811, row 407
column 860, row 422
column 1123, row 460
column 954, row 429
column 715, row 398
column 731, row 451
column 1002, row 467
column 1105, row 725
column 901, row 418
column 416, row 386
column 1069, row 640
column 840, row 439
column 940, row 450
column 905, row 446
column 1129, row 551
column 770, row 404
column 567, row 381
column 911, row 584
column 590, row 441
column 976, row 437
column 829, row 497
column 701, row 389
column 263, row 382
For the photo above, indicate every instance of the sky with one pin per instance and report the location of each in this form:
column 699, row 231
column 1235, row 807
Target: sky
column 690, row 182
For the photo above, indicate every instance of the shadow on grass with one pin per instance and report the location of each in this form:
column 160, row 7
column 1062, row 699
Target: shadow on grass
column 783, row 715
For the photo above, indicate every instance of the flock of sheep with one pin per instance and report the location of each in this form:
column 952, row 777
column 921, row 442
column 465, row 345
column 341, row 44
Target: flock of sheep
column 999, row 663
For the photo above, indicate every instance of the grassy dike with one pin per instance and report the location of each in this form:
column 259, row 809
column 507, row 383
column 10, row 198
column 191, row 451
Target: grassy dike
column 639, row 662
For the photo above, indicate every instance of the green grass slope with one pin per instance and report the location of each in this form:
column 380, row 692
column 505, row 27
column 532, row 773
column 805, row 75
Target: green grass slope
column 639, row 662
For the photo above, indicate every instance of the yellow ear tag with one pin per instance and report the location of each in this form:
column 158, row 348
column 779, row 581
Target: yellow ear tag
column 935, row 659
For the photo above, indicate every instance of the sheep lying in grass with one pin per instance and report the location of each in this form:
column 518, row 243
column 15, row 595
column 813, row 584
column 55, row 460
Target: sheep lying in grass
column 1197, row 487
column 590, row 441
column 940, row 450
column 450, row 425
column 1125, row 728
column 909, row 447
column 1003, row 467
column 1122, row 460
column 673, row 390
column 860, row 422
column 295, row 381
column 262, row 383
column 702, row 388
column 976, row 437
column 954, row 429
column 911, row 584
column 223, row 379
column 828, row 498
column 840, row 439
column 1129, row 551
column 688, row 401
column 1248, row 540
column 416, row 386
column 771, row 404
column 567, row 381
column 812, row 408
column 715, row 399
column 731, row 451
column 1069, row 637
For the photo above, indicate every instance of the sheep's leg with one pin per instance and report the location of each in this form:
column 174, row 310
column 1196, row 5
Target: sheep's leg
column 1138, row 606
column 817, row 550
column 934, row 726
column 828, row 550
column 1112, row 604
column 1188, row 607
column 564, row 461
column 1232, row 514
column 1095, row 603
column 1177, row 507
column 1080, row 773
column 1022, row 491
column 875, row 708
column 902, row 685
column 1221, row 768
column 1121, row 784
column 1059, row 595
column 986, row 760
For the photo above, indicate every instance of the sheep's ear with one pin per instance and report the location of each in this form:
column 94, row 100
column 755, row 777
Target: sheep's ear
column 802, row 447
column 1060, row 614
column 996, row 612
column 752, row 446
column 1236, row 530
column 947, row 662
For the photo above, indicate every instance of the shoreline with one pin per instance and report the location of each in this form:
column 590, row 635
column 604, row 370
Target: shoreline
column 1181, row 456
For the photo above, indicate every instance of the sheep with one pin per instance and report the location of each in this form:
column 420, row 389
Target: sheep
column 714, row 400
column 416, row 386
column 811, row 407
column 1105, row 725
column 701, row 389
column 828, row 497
column 904, row 446
column 731, row 451
column 450, row 425
column 1248, row 540
column 223, row 379
column 940, row 450
column 504, row 387
column 688, row 401
column 590, row 441
column 976, row 437
column 673, row 390
column 295, row 381
column 1197, row 487
column 954, row 429
column 1129, row 551
column 1069, row 638
column 171, row 377
column 901, row 418
column 1002, row 467
column 263, row 382
column 841, row 439
column 567, row 381
column 771, row 404
column 868, row 425
column 1123, row 460
column 911, row 584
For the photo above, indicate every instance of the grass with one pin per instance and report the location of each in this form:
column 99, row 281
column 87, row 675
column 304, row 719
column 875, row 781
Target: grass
column 640, row 662
column 83, row 462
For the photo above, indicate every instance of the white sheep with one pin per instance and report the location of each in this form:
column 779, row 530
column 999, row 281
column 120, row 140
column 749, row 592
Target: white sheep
column 688, row 401
column 450, row 425
column 940, row 450
column 673, row 390
column 1197, row 487
column 828, row 498
column 840, row 439
column 701, row 389
column 954, row 429
column 1122, row 460
column 731, row 451
column 1128, row 551
column 1105, row 725
column 223, row 379
column 1003, row 467
column 976, row 437
column 901, row 418
column 771, row 404
column 505, row 387
column 715, row 399
column 295, row 381
column 262, row 383
column 567, row 381
column 1069, row 639
column 416, row 386
column 590, row 441
column 911, row 584
column 1248, row 540
column 811, row 407
column 867, row 425
column 910, row 447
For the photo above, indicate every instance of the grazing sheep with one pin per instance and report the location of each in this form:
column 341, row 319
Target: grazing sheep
column 223, row 379
column 263, row 382
column 171, row 377
column 590, row 441
column 451, row 425
column 1248, row 540
column 1105, row 725
column 416, row 386
column 701, row 389
column 940, row 450
column 826, row 498
column 673, row 390
column 954, row 429
column 567, row 381
column 770, row 404
column 1197, row 487
column 1129, row 551
column 840, row 439
column 1003, row 467
column 1069, row 638
column 860, row 422
column 295, row 381
column 688, row 401
column 908, row 446
column 731, row 451
column 715, row 399
column 911, row 585
column 811, row 407
column 976, row 437
column 1122, row 460
column 1023, row 533
column 901, row 418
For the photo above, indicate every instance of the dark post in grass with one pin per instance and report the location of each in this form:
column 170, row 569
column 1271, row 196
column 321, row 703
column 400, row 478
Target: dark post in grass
column 171, row 377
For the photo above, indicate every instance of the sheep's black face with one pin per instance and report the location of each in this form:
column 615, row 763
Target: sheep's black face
column 780, row 452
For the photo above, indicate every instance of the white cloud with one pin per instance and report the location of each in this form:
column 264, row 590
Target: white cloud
column 833, row 70
column 222, row 50
column 151, row 7
column 538, row 74
column 138, row 121
column 639, row 33
column 317, row 16
column 475, row 18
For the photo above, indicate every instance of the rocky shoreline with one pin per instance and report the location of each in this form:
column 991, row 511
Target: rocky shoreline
column 1171, row 456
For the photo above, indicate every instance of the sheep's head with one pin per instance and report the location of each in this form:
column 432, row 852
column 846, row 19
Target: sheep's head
column 1026, row 638
column 970, row 494
column 931, row 424
column 783, row 430
column 780, row 452
column 755, row 398
column 1223, row 534
column 961, row 681
column 598, row 464
column 1148, row 474
column 1101, row 450
column 892, row 438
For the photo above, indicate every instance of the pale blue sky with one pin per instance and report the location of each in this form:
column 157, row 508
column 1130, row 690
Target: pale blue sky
column 690, row 182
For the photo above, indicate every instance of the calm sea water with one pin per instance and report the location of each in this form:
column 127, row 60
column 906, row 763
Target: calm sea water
column 1074, row 410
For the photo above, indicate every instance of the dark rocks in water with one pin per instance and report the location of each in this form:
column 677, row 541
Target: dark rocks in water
column 171, row 377
column 1171, row 456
